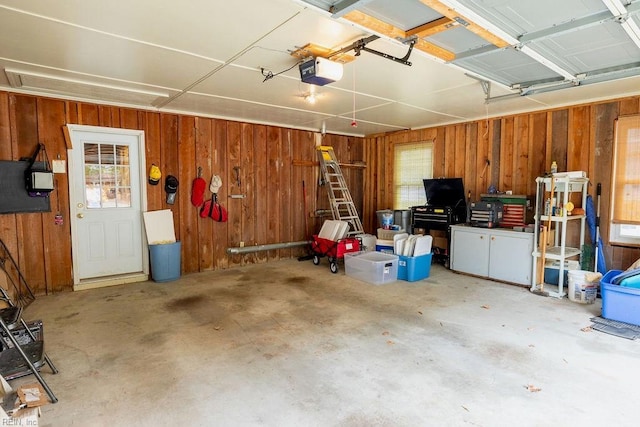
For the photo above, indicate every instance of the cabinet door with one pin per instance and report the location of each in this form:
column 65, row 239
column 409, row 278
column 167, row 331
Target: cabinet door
column 510, row 258
column 470, row 252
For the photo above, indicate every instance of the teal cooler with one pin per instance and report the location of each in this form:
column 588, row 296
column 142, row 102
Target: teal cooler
column 165, row 261
column 412, row 268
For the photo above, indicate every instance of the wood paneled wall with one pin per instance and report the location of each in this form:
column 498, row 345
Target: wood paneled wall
column 274, row 163
column 510, row 152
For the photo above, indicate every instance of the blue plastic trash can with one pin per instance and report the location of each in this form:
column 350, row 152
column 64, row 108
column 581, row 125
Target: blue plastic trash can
column 165, row 261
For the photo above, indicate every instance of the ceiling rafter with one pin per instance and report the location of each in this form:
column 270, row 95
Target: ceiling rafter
column 396, row 33
column 450, row 13
column 311, row 49
column 432, row 28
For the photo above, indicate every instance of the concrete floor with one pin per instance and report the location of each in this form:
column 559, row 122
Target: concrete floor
column 290, row 344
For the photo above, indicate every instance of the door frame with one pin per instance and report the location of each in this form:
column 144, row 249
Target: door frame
column 97, row 282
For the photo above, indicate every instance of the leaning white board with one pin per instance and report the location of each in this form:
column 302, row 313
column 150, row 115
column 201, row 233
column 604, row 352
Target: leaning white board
column 398, row 242
column 334, row 230
column 159, row 227
column 423, row 245
column 409, row 246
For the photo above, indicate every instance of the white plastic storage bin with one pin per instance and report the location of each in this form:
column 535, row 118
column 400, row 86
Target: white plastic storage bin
column 376, row 268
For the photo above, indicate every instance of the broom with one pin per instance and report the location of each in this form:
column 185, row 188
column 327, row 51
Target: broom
column 543, row 244
column 543, row 253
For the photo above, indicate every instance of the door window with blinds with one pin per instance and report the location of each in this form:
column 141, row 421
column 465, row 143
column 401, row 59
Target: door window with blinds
column 625, row 198
column 107, row 176
column 412, row 162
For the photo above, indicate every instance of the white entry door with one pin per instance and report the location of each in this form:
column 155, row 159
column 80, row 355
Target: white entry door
column 107, row 198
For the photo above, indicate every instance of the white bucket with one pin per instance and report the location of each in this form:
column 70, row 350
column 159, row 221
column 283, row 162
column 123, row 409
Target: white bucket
column 580, row 289
column 369, row 242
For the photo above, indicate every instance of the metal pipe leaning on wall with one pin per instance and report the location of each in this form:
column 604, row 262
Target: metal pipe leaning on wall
column 269, row 247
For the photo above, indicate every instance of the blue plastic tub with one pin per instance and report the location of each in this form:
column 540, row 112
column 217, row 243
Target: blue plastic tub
column 165, row 261
column 618, row 302
column 412, row 268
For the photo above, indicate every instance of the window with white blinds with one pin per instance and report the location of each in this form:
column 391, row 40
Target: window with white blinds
column 625, row 200
column 412, row 162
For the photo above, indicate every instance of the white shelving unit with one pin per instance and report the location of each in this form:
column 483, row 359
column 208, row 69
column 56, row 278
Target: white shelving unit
column 564, row 184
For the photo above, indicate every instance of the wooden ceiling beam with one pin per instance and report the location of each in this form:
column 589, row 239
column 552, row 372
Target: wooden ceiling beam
column 432, row 28
column 396, row 33
column 446, row 11
column 311, row 49
column 375, row 24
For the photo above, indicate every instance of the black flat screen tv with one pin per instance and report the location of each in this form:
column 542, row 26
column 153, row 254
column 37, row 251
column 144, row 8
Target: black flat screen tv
column 444, row 192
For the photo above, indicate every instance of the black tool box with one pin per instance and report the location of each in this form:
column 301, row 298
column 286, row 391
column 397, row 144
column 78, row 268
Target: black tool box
column 486, row 214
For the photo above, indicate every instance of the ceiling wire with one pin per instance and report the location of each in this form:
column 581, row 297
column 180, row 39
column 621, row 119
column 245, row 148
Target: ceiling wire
column 268, row 75
column 229, row 61
column 353, row 120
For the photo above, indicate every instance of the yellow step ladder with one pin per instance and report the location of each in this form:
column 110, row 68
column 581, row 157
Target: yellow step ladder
column 342, row 206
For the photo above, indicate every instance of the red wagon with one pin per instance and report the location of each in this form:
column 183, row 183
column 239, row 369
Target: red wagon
column 333, row 250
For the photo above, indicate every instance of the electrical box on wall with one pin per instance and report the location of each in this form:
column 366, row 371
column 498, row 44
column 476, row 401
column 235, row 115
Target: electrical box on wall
column 59, row 166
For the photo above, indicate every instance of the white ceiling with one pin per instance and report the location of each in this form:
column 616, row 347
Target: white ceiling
column 209, row 57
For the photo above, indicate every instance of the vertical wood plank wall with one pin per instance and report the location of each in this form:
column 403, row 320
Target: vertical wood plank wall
column 273, row 163
column 515, row 149
column 509, row 152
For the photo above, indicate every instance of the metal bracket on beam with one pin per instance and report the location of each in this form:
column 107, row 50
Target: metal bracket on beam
column 404, row 60
column 343, row 7
column 353, row 46
column 361, row 45
column 486, row 87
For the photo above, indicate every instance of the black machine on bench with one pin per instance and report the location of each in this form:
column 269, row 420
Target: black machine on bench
column 445, row 206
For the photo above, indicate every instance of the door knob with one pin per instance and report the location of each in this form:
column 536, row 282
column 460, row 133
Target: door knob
column 80, row 215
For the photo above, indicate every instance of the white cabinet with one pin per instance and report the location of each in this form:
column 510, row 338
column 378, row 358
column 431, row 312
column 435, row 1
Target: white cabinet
column 469, row 250
column 558, row 188
column 509, row 254
column 499, row 254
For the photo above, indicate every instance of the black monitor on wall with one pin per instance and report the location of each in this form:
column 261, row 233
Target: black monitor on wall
column 445, row 192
